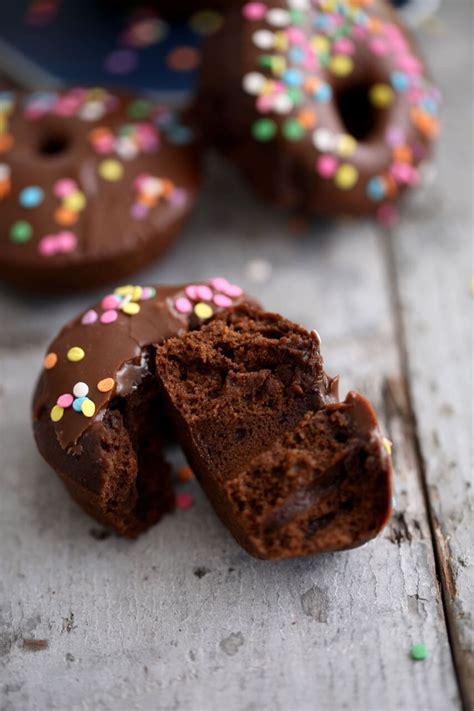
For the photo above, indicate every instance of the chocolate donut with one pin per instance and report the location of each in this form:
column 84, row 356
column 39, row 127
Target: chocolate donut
column 289, row 470
column 93, row 186
column 97, row 414
column 324, row 104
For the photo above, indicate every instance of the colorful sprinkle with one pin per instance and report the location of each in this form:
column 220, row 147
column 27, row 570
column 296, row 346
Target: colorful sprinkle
column 105, row 385
column 264, row 129
column 183, row 59
column 381, row 95
column 419, row 652
column 88, row 407
column 80, row 389
column 77, row 404
column 75, row 354
column 65, row 401
column 89, row 317
column 50, row 360
column 108, row 316
column 184, row 501
column 203, row 311
column 31, row 197
column 131, row 308
column 111, row 170
column 183, row 305
column 21, row 232
column 346, row 176
column 185, row 474
column 56, row 413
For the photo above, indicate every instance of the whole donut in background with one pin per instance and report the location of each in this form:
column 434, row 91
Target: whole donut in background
column 324, row 104
column 93, row 186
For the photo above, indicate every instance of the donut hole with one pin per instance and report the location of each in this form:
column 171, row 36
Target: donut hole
column 357, row 113
column 53, row 144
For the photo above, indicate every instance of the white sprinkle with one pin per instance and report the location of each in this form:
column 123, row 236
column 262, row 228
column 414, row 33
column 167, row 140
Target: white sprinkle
column 263, row 39
column 324, row 139
column 282, row 104
column 253, row 83
column 80, row 389
column 278, row 17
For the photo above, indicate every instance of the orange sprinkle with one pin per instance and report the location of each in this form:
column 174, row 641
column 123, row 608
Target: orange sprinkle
column 183, row 59
column 307, row 118
column 148, row 200
column 403, row 154
column 6, row 142
column 50, row 360
column 65, row 217
column 375, row 25
column 105, row 385
column 391, row 187
column 5, row 188
column 185, row 474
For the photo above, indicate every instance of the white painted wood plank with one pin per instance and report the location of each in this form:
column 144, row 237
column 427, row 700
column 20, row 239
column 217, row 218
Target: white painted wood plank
column 434, row 262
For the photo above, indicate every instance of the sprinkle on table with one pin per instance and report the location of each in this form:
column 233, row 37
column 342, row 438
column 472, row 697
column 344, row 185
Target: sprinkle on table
column 185, row 474
column 419, row 652
column 184, row 501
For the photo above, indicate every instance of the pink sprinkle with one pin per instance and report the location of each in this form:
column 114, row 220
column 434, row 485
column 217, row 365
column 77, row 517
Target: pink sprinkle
column 222, row 301
column 232, row 290
column 184, row 501
column 89, row 317
column 63, row 187
column 343, row 46
column 359, row 32
column 65, row 400
column 138, row 211
column 47, row 246
column 402, row 173
column 264, row 104
column 104, row 144
column 326, row 166
column 409, row 64
column 394, row 136
column 111, row 301
column 387, row 215
column 178, row 197
column 183, row 305
column 109, row 317
column 66, row 242
column 295, row 35
column 219, row 283
column 378, row 47
column 191, row 291
column 140, row 181
column 203, row 293
column 254, row 11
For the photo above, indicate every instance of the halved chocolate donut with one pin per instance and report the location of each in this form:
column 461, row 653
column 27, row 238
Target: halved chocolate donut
column 324, row 104
column 93, row 186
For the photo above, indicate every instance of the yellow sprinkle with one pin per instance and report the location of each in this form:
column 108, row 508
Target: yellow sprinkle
column 105, row 385
column 321, row 44
column 203, row 310
column 56, row 413
column 111, row 170
column 346, row 176
column 381, row 95
column 137, row 292
column 278, row 65
column 471, row 286
column 50, row 360
column 75, row 354
column 280, row 41
column 341, row 65
column 387, row 446
column 346, row 145
column 126, row 290
column 75, row 201
column 88, row 407
column 131, row 308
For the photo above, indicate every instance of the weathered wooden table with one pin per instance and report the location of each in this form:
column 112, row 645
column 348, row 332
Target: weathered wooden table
column 184, row 619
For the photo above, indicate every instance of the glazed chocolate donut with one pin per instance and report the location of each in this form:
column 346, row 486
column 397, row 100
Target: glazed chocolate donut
column 93, row 186
column 289, row 470
column 97, row 414
column 324, row 104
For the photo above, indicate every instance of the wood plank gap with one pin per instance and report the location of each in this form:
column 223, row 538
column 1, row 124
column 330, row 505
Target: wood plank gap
column 444, row 573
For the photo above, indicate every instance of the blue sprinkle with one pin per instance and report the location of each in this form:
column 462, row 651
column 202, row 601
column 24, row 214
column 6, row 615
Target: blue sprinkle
column 180, row 135
column 76, row 405
column 292, row 77
column 296, row 55
column 400, row 81
column 429, row 105
column 375, row 189
column 31, row 197
column 323, row 94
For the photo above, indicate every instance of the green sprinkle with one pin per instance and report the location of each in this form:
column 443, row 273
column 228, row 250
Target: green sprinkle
column 265, row 61
column 324, row 59
column 20, row 232
column 293, row 130
column 418, row 652
column 295, row 95
column 264, row 129
column 296, row 17
column 139, row 109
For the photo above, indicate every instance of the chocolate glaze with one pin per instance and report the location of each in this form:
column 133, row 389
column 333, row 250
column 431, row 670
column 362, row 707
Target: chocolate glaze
column 283, row 170
column 47, row 141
